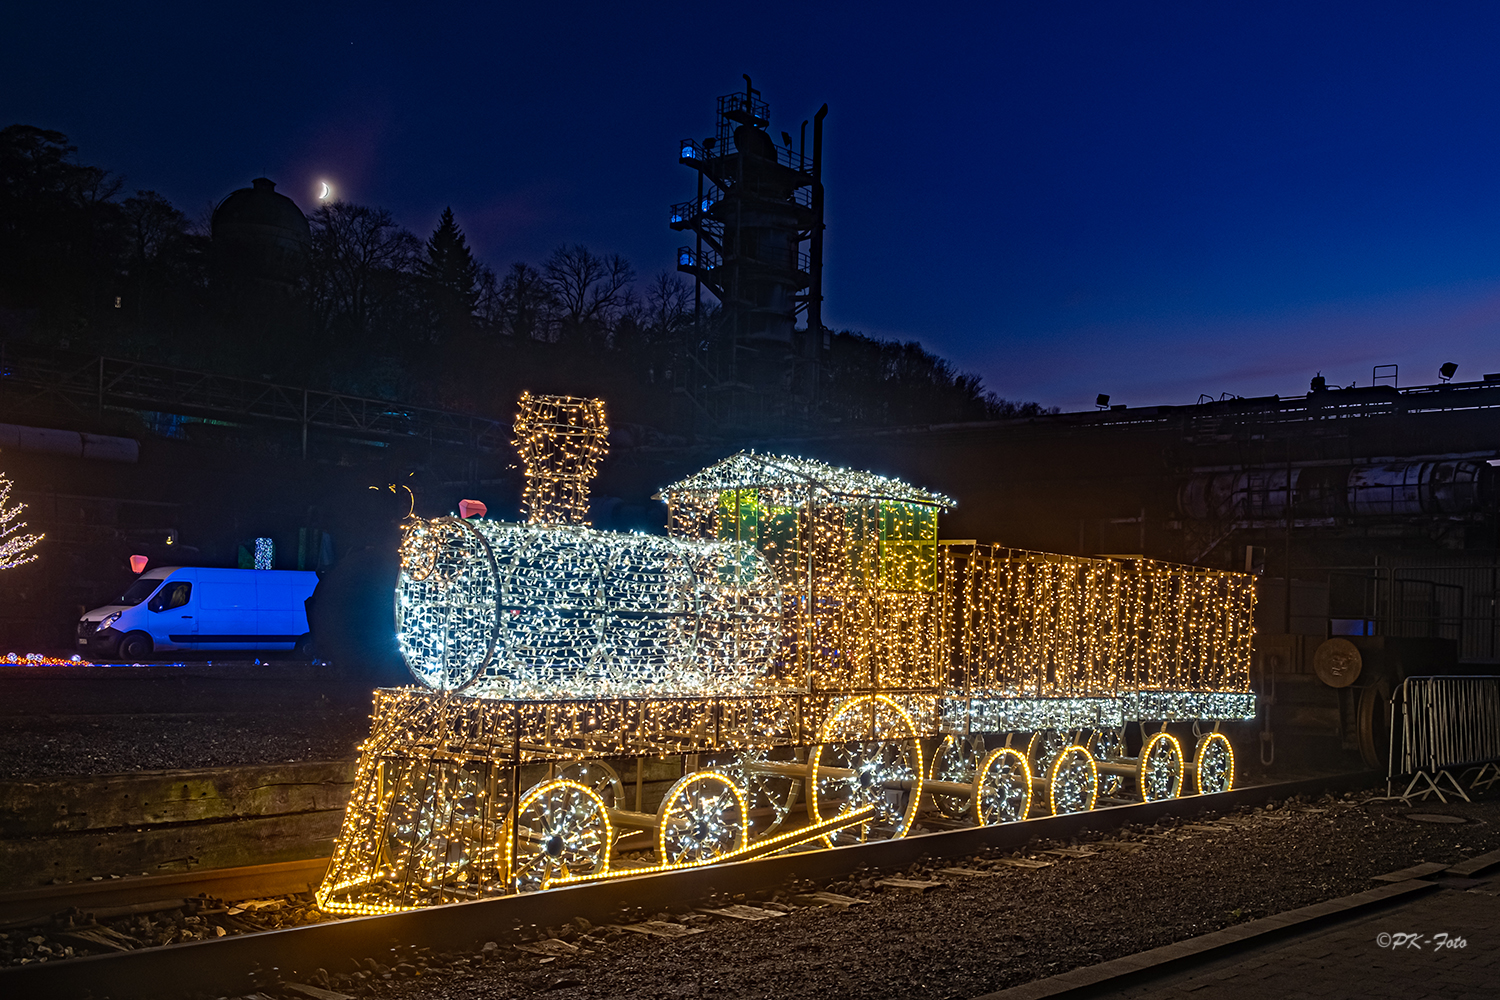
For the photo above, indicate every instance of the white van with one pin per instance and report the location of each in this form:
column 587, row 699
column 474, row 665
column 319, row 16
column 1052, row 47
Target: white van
column 186, row 607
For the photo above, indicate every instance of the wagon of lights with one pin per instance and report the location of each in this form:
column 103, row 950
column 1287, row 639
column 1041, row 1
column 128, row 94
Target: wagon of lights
column 827, row 670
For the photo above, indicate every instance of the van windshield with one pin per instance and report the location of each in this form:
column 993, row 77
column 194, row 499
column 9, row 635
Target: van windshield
column 138, row 592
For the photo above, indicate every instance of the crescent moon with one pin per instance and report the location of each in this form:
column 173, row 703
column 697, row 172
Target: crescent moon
column 322, row 196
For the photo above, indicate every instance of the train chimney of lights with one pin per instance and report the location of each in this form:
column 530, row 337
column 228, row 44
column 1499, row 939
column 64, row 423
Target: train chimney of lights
column 561, row 440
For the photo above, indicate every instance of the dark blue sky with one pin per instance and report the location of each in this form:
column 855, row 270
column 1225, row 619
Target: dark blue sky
column 1153, row 200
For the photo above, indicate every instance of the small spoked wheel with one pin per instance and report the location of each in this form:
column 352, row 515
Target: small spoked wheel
column 869, row 755
column 1108, row 744
column 1073, row 782
column 957, row 760
column 561, row 831
column 1003, row 788
column 702, row 818
column 770, row 790
column 1213, row 764
column 1160, row 770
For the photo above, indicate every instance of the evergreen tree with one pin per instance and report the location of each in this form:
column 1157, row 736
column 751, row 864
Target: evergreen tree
column 451, row 277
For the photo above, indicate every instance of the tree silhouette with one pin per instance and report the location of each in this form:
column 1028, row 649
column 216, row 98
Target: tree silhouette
column 450, row 277
column 525, row 304
column 15, row 549
column 359, row 259
column 591, row 291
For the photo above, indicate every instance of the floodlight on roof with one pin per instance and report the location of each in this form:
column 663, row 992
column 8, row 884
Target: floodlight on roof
column 1447, row 370
column 1102, row 401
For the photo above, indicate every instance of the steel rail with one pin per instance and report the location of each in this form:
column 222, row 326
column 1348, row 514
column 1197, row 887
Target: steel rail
column 22, row 906
column 224, row 965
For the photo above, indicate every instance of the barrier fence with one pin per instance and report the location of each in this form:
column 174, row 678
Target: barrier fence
column 1441, row 725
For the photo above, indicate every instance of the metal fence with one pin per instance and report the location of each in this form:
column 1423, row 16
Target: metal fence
column 1441, row 725
column 30, row 376
column 1455, row 602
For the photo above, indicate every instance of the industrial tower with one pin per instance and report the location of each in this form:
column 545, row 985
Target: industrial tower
column 758, row 203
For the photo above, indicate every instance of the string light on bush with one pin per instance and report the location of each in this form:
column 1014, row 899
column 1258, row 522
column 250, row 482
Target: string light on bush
column 15, row 548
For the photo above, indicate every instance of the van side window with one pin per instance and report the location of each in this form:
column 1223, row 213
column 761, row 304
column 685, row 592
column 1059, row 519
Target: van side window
column 171, row 596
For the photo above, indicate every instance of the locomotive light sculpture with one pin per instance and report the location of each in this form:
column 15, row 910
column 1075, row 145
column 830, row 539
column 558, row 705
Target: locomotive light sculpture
column 827, row 669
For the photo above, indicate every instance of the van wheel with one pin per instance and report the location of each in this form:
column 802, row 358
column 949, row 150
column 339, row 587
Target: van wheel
column 304, row 648
column 135, row 646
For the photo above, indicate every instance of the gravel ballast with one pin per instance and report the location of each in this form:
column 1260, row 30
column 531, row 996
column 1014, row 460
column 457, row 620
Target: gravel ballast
column 1104, row 896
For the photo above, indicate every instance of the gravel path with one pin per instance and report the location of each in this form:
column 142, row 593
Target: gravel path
column 974, row 934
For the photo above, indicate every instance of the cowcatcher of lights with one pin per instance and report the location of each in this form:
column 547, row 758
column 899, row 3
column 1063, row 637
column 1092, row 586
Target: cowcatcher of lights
column 826, row 669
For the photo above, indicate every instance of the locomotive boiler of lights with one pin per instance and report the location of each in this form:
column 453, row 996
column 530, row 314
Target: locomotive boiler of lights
column 498, row 610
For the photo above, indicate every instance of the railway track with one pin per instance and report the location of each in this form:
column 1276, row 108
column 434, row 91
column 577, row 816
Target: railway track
column 224, row 965
column 118, row 897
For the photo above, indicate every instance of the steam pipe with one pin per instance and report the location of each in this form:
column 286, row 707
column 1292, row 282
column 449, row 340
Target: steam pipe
column 815, row 293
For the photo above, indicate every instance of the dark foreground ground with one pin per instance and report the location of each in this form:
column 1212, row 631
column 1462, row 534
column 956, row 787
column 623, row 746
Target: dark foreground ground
column 974, row 933
column 63, row 721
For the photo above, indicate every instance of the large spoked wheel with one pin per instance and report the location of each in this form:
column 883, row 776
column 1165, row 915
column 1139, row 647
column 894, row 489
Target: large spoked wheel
column 1073, row 783
column 957, row 760
column 770, row 793
column 702, row 818
column 1108, row 744
column 1043, row 748
column 561, row 831
column 1161, row 770
column 1003, row 786
column 869, row 755
column 599, row 777
column 1213, row 764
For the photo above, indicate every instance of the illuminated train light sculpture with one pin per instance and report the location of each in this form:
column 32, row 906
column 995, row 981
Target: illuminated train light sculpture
column 828, row 670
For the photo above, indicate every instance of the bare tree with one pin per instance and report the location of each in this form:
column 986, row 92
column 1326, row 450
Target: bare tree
column 359, row 256
column 668, row 303
column 591, row 291
column 526, row 304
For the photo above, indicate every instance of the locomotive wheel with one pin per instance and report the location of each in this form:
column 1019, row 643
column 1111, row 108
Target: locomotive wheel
column 956, row 760
column 1213, row 764
column 769, row 796
column 1073, row 782
column 1108, row 744
column 1161, row 771
column 1043, row 748
column 1003, row 787
column 884, row 771
column 598, row 776
column 561, row 830
column 703, row 817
